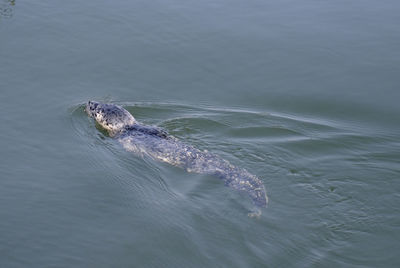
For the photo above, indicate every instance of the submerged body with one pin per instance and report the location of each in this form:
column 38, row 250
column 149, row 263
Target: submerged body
column 156, row 143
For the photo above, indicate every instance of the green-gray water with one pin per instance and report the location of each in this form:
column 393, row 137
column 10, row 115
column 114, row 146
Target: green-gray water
column 304, row 94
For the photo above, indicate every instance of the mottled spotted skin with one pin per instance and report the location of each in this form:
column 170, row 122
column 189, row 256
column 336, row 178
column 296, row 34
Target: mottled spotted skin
column 156, row 143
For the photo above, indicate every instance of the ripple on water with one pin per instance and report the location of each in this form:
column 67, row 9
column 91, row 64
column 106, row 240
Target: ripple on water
column 313, row 170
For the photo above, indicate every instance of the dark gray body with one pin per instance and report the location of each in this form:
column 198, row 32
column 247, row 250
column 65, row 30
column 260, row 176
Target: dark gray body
column 159, row 145
column 156, row 143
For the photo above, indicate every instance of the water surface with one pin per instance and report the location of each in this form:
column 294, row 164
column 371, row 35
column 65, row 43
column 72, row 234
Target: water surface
column 304, row 94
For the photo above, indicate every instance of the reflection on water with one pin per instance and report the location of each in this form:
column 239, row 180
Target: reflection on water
column 6, row 8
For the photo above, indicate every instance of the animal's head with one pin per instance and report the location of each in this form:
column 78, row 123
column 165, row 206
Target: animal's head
column 111, row 117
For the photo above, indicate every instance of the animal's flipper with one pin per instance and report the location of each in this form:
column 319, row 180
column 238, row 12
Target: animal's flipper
column 243, row 181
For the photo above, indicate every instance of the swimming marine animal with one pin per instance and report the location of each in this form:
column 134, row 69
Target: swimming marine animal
column 158, row 144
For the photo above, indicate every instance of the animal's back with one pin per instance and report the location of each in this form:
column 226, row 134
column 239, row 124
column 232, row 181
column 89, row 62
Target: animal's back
column 157, row 144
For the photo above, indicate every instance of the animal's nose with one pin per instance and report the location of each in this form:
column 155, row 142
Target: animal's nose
column 92, row 104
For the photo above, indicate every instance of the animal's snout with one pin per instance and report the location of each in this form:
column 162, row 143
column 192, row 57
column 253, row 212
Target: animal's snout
column 91, row 108
column 92, row 105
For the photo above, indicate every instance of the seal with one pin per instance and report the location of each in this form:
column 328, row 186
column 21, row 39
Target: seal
column 158, row 144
